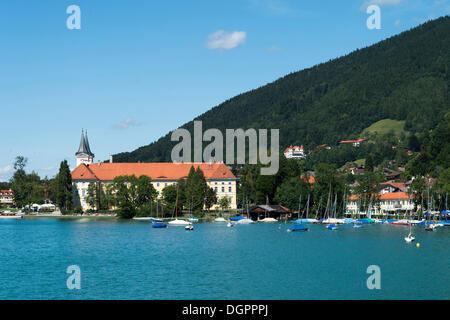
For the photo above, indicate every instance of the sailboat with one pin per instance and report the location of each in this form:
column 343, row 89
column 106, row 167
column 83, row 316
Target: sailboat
column 429, row 226
column 178, row 222
column 245, row 220
column 358, row 224
column 410, row 238
column 192, row 218
column 298, row 227
column 332, row 226
column 158, row 223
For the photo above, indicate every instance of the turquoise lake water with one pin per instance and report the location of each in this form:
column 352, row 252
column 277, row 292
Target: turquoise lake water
column 131, row 260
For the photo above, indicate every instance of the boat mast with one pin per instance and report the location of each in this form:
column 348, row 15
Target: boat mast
column 328, row 203
column 299, row 205
column 176, row 205
column 334, row 206
column 307, row 207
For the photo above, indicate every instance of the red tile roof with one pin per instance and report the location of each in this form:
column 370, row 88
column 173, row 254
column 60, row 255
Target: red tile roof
column 389, row 196
column 352, row 141
column 311, row 179
column 156, row 171
column 6, row 192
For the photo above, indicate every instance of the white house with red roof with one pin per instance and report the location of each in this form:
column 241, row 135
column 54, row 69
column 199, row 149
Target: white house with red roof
column 6, row 198
column 388, row 203
column 218, row 176
column 294, row 152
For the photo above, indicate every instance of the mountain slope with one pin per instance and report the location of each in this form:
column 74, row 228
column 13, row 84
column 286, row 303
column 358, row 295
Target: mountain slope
column 405, row 77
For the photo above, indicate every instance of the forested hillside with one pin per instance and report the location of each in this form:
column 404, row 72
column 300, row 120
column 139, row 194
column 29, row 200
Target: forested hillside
column 405, row 77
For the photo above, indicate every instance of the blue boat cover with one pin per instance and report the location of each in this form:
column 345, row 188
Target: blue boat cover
column 159, row 225
column 301, row 221
column 298, row 227
column 236, row 218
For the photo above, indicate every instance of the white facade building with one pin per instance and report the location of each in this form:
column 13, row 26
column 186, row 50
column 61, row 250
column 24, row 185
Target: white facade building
column 294, row 152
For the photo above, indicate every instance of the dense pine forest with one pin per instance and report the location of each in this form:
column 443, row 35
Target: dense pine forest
column 405, row 77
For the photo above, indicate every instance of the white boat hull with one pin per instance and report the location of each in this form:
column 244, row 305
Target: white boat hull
column 266, row 220
column 245, row 221
column 179, row 222
column 11, row 217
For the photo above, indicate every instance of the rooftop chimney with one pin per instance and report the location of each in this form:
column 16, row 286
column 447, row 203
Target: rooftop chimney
column 110, row 159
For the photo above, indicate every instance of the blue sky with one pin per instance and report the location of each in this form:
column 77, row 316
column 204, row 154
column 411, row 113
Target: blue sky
column 137, row 69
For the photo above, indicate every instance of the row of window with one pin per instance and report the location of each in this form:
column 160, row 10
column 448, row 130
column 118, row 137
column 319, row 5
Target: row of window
column 223, row 189
column 388, row 202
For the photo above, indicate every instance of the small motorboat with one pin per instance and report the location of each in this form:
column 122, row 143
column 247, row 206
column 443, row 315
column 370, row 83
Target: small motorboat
column 220, row 220
column 410, row 238
column 159, row 225
column 331, row 226
column 178, row 222
column 297, row 227
column 358, row 225
column 268, row 220
column 189, row 228
column 245, row 221
column 400, row 223
column 9, row 215
column 230, row 224
column 430, row 227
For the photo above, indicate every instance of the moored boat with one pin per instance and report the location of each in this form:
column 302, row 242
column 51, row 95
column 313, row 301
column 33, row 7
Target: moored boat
column 178, row 222
column 245, row 221
column 159, row 225
column 10, row 215
column 331, row 226
column 297, row 227
column 268, row 220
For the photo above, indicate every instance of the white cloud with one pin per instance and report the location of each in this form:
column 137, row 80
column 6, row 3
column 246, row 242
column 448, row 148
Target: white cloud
column 224, row 40
column 127, row 123
column 6, row 169
column 397, row 22
column 6, row 173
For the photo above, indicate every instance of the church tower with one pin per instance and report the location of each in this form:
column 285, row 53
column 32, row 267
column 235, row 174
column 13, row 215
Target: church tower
column 84, row 153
